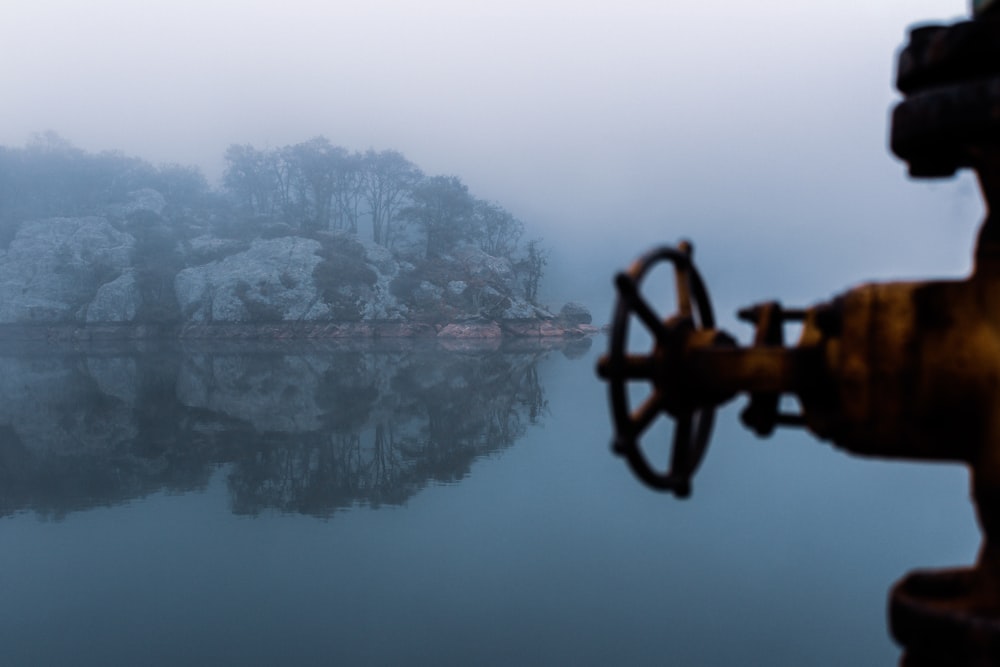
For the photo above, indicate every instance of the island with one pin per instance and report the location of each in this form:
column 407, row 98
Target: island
column 303, row 241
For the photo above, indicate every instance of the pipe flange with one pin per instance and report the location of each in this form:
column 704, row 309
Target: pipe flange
column 940, row 130
column 945, row 55
column 946, row 615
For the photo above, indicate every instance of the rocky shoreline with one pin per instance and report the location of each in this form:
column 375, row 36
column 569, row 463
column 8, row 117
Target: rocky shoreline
column 275, row 331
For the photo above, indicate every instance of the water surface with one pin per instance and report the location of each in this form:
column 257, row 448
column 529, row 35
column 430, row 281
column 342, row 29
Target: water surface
column 304, row 504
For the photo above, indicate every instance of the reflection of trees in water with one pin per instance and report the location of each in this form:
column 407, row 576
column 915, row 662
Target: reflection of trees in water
column 317, row 475
column 81, row 431
column 415, row 419
column 310, row 433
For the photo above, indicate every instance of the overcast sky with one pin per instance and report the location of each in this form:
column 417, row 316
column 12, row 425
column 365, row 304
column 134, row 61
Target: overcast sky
column 757, row 129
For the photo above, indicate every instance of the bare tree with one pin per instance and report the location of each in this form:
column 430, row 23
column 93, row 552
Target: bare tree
column 443, row 208
column 499, row 231
column 388, row 180
column 251, row 176
column 532, row 267
column 348, row 190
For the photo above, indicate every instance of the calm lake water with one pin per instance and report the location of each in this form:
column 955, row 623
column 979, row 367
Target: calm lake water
column 315, row 505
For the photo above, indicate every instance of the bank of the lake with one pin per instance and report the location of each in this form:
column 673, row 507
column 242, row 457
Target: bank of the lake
column 554, row 332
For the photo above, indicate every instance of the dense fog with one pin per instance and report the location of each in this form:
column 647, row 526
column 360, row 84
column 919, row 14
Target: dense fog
column 294, row 192
column 757, row 130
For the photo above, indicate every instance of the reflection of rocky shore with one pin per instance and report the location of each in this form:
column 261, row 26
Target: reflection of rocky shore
column 301, row 428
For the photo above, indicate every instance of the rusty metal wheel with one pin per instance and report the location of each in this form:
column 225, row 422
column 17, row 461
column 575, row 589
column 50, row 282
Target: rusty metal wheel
column 694, row 422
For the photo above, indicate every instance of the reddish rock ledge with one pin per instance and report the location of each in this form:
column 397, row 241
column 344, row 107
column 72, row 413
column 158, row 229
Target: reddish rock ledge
column 454, row 331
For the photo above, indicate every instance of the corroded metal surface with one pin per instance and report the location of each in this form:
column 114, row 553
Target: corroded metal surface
column 951, row 78
column 904, row 370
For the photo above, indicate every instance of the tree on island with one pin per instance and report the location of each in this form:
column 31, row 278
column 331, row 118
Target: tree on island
column 440, row 242
column 499, row 231
column 318, row 186
column 388, row 180
column 442, row 209
column 253, row 178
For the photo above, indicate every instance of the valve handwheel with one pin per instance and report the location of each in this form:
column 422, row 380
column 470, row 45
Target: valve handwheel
column 662, row 368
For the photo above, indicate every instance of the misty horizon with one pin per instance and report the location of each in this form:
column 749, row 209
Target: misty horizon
column 742, row 128
column 436, row 486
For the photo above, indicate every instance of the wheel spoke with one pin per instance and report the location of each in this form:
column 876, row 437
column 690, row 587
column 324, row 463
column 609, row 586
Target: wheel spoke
column 630, row 367
column 646, row 414
column 629, row 291
column 681, row 445
column 639, row 367
column 682, row 276
column 706, row 318
column 693, row 427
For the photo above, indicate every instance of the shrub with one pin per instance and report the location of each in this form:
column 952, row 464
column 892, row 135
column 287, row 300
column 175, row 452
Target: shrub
column 341, row 275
